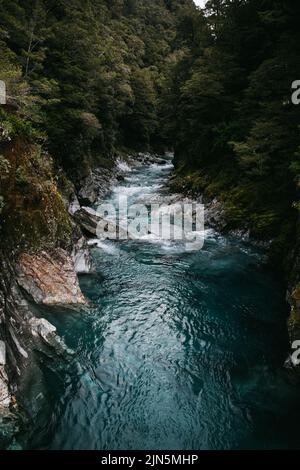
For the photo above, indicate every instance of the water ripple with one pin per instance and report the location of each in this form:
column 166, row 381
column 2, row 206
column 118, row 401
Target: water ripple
column 177, row 351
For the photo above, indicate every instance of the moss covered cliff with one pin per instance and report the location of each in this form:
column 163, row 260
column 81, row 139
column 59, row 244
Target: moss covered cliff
column 33, row 213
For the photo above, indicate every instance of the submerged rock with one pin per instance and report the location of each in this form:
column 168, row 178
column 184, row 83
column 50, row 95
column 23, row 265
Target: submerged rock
column 50, row 279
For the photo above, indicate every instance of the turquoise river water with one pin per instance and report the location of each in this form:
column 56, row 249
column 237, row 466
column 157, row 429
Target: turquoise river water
column 177, row 349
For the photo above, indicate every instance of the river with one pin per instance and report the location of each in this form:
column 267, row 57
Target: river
column 177, row 350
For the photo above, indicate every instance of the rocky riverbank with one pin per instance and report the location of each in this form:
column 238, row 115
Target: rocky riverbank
column 45, row 273
column 23, row 338
column 216, row 217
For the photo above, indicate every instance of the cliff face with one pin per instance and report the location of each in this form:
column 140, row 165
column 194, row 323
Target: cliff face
column 50, row 278
column 23, row 336
column 41, row 251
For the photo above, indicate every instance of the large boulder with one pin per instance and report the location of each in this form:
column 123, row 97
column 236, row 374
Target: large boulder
column 50, row 279
column 89, row 221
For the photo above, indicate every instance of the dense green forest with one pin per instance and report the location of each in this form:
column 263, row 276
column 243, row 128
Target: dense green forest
column 85, row 82
column 89, row 80
column 88, row 77
column 235, row 129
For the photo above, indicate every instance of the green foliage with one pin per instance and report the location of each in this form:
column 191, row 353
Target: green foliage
column 234, row 127
column 86, row 75
column 4, row 168
column 89, row 73
column 85, row 79
column 12, row 125
column 88, row 79
column 22, row 179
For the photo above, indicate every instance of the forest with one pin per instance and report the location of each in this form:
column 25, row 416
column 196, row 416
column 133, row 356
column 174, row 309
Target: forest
column 88, row 81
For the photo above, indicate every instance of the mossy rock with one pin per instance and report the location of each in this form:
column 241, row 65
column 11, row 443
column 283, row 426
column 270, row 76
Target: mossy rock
column 34, row 213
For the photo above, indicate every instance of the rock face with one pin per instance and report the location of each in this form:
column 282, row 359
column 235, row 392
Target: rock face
column 81, row 256
column 50, row 279
column 22, row 340
column 13, row 329
column 89, row 221
column 43, row 329
column 214, row 215
column 148, row 158
column 96, row 185
column 73, row 204
column 5, row 397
